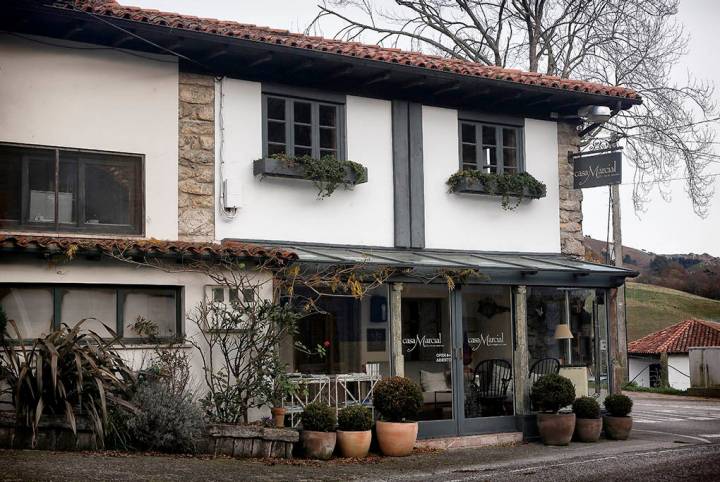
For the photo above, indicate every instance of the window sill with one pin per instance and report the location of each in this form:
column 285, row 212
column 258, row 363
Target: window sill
column 24, row 231
column 288, row 170
column 473, row 186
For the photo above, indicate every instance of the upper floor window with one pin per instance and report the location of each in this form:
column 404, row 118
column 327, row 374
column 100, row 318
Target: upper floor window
column 490, row 148
column 51, row 189
column 298, row 127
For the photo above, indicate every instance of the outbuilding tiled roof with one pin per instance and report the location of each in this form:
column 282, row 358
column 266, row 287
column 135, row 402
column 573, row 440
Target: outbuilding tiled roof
column 141, row 247
column 110, row 8
column 678, row 338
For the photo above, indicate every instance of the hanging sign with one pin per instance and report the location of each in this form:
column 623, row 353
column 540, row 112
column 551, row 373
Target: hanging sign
column 597, row 168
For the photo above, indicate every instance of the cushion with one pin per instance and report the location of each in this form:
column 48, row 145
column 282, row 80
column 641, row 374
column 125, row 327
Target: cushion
column 433, row 381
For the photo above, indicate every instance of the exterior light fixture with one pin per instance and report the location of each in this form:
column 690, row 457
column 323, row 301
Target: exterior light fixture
column 595, row 114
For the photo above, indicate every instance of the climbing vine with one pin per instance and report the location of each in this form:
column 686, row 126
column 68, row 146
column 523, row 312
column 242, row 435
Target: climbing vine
column 327, row 173
column 517, row 186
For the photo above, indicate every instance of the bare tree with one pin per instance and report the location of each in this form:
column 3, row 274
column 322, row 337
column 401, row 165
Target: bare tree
column 629, row 43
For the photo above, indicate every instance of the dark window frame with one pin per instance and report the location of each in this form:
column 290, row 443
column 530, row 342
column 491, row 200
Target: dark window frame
column 120, row 291
column 82, row 158
column 293, row 96
column 478, row 123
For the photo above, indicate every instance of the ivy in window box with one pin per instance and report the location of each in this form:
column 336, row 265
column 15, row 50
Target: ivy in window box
column 327, row 173
column 518, row 186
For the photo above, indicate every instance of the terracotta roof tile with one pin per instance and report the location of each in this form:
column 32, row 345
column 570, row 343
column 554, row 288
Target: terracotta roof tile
column 678, row 338
column 110, row 8
column 143, row 247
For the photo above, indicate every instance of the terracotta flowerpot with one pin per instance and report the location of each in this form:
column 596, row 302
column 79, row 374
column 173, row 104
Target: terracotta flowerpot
column 354, row 444
column 318, row 445
column 617, row 428
column 556, row 428
column 278, row 414
column 588, row 429
column 396, row 439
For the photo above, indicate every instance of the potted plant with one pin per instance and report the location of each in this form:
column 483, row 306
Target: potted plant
column 617, row 424
column 354, row 434
column 399, row 401
column 549, row 394
column 318, row 435
column 588, row 423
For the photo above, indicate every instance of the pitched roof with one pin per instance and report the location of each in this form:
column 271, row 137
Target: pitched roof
column 678, row 338
column 110, row 8
column 227, row 250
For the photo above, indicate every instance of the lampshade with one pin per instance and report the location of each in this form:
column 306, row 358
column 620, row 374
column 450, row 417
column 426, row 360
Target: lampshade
column 562, row 332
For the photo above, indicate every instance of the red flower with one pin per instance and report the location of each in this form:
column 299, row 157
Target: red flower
column 326, row 343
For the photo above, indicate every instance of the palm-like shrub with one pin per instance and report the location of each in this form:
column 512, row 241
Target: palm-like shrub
column 618, row 405
column 397, row 399
column 65, row 373
column 552, row 392
column 586, row 407
column 318, row 417
column 355, row 418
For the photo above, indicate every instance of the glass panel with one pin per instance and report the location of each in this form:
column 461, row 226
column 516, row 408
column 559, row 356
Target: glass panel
column 156, row 305
column 303, row 135
column 303, row 112
column 427, row 347
column 328, row 115
column 100, row 304
column 41, row 173
column 509, row 159
column 328, row 138
column 490, row 159
column 468, row 133
column 303, row 151
column 276, row 108
column 509, row 137
column 488, row 136
column 276, row 149
column 468, row 154
column 31, row 308
column 276, row 131
column 10, row 180
column 67, row 195
column 110, row 193
column 487, row 351
column 328, row 152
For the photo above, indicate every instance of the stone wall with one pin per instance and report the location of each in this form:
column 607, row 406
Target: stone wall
column 571, row 217
column 196, row 175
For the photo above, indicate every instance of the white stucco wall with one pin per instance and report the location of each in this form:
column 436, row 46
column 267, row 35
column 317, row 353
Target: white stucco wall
column 289, row 210
column 97, row 99
column 639, row 370
column 466, row 221
column 679, row 371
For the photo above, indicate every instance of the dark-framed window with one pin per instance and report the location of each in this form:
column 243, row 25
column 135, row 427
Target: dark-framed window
column 302, row 127
column 39, row 308
column 70, row 190
column 491, row 148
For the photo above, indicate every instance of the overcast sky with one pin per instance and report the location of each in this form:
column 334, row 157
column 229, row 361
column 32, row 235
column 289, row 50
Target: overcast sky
column 665, row 227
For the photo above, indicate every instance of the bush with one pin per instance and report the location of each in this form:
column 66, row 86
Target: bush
column 355, row 418
column 166, row 420
column 318, row 417
column 586, row 407
column 398, row 399
column 552, row 392
column 618, row 405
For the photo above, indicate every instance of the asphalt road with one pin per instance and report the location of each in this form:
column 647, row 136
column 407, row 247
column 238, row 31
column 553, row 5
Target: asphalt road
column 689, row 417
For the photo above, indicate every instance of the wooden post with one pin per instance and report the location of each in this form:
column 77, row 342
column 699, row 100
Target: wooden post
column 664, row 370
column 621, row 331
column 398, row 362
column 520, row 354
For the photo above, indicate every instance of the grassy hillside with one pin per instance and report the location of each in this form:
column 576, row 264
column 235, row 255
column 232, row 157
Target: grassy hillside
column 651, row 308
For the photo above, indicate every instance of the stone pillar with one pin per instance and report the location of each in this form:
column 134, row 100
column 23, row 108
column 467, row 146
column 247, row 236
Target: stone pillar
column 571, row 217
column 196, row 173
column 520, row 354
column 398, row 362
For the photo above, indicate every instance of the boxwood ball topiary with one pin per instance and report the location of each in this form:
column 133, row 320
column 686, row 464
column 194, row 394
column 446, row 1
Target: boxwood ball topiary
column 552, row 392
column 397, row 399
column 586, row 407
column 355, row 418
column 318, row 417
column 618, row 405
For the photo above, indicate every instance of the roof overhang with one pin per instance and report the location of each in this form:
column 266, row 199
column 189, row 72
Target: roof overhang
column 261, row 61
column 504, row 268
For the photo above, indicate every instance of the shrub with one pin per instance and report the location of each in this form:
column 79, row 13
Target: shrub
column 586, row 407
column 166, row 420
column 552, row 392
column 355, row 418
column 398, row 399
column 318, row 417
column 618, row 405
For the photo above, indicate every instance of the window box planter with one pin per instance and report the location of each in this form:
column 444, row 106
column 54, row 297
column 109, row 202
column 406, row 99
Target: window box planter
column 295, row 170
column 512, row 188
column 474, row 186
column 326, row 181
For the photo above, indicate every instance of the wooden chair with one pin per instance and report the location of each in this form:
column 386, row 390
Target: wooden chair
column 492, row 379
column 544, row 366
